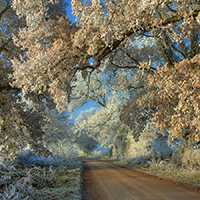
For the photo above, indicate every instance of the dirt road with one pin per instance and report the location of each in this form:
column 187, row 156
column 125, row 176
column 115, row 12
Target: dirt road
column 104, row 181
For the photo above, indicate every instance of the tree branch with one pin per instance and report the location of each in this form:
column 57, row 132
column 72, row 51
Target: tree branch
column 105, row 51
column 3, row 46
column 8, row 87
column 8, row 6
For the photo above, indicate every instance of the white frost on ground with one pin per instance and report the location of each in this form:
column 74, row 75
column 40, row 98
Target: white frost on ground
column 40, row 183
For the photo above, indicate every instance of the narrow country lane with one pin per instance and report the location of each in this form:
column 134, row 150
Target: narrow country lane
column 104, row 181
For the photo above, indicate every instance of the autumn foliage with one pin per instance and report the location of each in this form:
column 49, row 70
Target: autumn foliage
column 43, row 55
column 176, row 98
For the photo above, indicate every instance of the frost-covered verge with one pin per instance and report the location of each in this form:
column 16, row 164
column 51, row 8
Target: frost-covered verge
column 156, row 154
column 166, row 169
column 152, row 155
column 182, row 167
column 176, row 173
column 29, row 159
column 41, row 182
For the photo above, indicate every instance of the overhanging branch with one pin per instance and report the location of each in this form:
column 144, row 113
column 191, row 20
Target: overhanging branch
column 105, row 51
column 8, row 6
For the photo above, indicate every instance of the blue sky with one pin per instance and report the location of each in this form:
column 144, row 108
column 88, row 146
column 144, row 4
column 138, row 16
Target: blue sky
column 88, row 107
column 70, row 15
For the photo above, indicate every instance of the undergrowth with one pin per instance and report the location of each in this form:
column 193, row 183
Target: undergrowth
column 36, row 183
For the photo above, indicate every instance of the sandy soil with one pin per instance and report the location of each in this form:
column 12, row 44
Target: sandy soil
column 104, row 181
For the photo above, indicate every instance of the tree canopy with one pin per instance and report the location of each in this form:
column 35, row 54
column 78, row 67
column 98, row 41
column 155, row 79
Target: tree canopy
column 43, row 55
column 55, row 51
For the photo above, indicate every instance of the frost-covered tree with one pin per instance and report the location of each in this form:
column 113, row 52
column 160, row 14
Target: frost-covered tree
column 48, row 53
column 176, row 99
column 56, row 51
column 105, row 126
column 20, row 123
column 13, row 131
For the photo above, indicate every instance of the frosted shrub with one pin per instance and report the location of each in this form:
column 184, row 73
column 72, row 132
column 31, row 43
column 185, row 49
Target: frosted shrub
column 191, row 157
column 64, row 149
column 151, row 145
